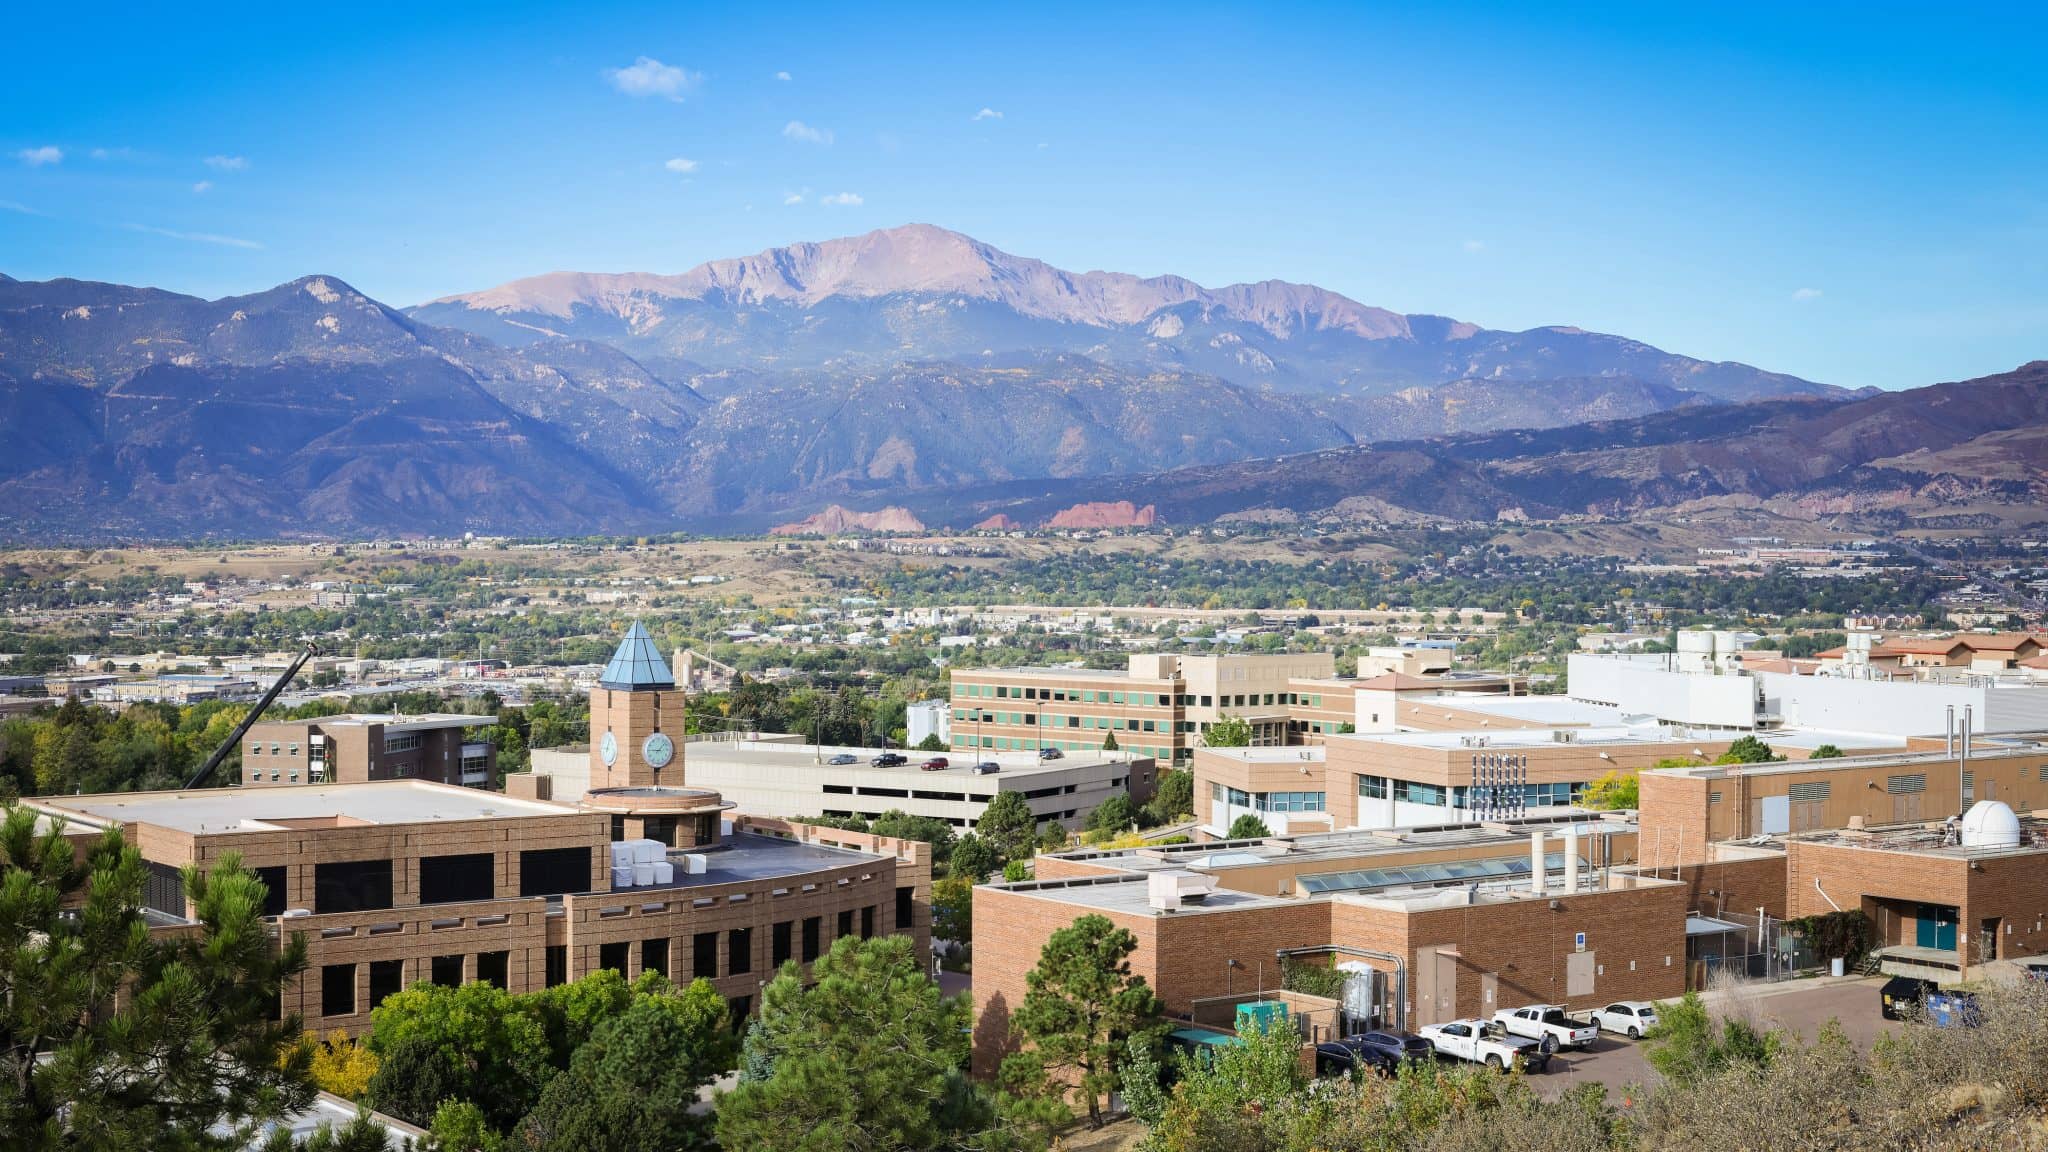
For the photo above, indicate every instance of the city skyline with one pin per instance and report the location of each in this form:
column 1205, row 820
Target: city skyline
column 1851, row 201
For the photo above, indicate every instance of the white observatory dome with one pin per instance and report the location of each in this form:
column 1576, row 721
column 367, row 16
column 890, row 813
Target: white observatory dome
column 1989, row 824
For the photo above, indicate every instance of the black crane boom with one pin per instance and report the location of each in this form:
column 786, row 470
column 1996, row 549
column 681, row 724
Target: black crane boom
column 235, row 737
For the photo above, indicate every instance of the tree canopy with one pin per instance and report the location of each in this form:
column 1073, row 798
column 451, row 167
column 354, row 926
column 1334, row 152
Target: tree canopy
column 1081, row 1005
column 1229, row 732
column 111, row 1038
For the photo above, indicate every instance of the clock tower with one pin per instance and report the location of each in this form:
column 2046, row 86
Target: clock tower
column 636, row 719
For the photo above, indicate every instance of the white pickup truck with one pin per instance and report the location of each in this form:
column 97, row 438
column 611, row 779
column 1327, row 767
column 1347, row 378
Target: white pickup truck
column 1482, row 1043
column 1538, row 1021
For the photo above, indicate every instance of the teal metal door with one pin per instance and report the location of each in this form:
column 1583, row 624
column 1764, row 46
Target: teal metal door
column 1935, row 927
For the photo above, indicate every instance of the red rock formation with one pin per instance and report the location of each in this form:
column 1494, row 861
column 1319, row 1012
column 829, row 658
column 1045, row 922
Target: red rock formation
column 1121, row 514
column 1000, row 522
column 836, row 519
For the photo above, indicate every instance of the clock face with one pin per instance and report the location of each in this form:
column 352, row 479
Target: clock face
column 608, row 748
column 658, row 750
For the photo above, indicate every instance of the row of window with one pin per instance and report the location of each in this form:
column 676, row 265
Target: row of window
column 1462, row 796
column 1136, row 699
column 365, row 885
column 276, row 749
column 788, row 939
column 1104, row 723
column 401, row 742
column 1267, row 801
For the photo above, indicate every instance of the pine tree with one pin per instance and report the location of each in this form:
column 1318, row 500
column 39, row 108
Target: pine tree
column 111, row 1038
column 1082, row 1005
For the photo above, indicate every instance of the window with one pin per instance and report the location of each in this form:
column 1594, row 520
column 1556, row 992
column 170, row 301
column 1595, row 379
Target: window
column 778, row 944
column 813, row 930
column 904, row 908
column 474, row 764
column 612, row 956
column 397, row 742
column 557, row 965
column 386, row 978
column 338, row 990
column 1290, row 801
column 357, row 886
column 867, row 922
column 164, row 889
column 1410, row 792
column 737, row 1009
column 447, row 971
column 739, row 951
column 553, row 871
column 273, row 889
column 654, row 955
column 704, row 956
column 845, row 923
column 446, row 879
column 495, row 969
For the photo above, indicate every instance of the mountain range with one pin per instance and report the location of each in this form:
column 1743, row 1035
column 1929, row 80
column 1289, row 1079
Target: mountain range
column 912, row 367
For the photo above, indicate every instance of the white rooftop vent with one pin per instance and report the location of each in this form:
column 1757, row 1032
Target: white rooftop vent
column 1989, row 824
column 1168, row 891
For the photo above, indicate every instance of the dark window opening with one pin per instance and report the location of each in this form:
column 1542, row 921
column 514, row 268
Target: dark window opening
column 738, row 1009
column 495, row 969
column 904, row 908
column 704, row 955
column 386, row 978
column 553, row 871
column 867, row 922
column 813, row 929
column 654, row 956
column 778, row 945
column 845, row 923
column 447, row 971
column 612, row 956
column 739, row 951
column 557, row 965
column 357, row 886
column 273, row 889
column 338, row 990
column 447, row 879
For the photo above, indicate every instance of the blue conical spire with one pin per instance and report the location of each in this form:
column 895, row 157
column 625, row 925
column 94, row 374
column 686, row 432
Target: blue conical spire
column 637, row 664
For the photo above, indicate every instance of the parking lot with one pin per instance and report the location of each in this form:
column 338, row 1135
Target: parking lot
column 1800, row 1006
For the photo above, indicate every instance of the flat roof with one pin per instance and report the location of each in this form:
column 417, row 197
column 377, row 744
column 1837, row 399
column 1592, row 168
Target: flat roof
column 1040, row 671
column 747, row 856
column 1937, row 839
column 1291, row 754
column 1536, row 709
column 240, row 809
column 393, row 721
column 780, row 755
column 1312, row 847
column 2003, row 748
column 1133, row 894
column 1464, row 739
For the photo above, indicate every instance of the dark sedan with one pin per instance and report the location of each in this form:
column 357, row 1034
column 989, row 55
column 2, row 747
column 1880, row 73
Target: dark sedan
column 1381, row 1052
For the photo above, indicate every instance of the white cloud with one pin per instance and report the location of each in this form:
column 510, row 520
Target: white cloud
column 679, row 164
column 18, row 206
column 1475, row 245
column 1806, row 294
column 227, row 163
column 203, row 187
column 196, row 237
column 647, row 76
column 793, row 198
column 112, row 153
column 37, row 157
column 782, row 76
column 798, row 130
column 988, row 114
column 844, row 199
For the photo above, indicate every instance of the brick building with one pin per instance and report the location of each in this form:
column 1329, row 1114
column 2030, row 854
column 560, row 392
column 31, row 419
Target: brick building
column 358, row 747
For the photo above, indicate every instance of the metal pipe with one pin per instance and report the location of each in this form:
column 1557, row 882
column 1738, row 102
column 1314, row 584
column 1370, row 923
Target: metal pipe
column 1394, row 958
column 1539, row 873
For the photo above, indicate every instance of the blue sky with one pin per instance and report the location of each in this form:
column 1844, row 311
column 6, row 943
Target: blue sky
column 1851, row 193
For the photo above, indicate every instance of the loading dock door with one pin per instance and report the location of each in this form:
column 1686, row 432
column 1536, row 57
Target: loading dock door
column 1436, row 984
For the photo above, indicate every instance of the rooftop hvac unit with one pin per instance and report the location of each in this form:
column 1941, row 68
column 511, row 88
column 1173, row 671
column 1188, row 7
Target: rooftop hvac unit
column 648, row 851
column 643, row 874
column 622, row 876
column 1169, row 891
column 622, row 853
column 694, row 863
column 295, row 913
column 1564, row 736
column 664, row 872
